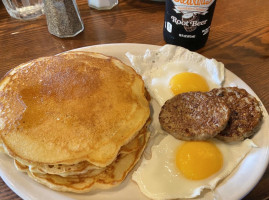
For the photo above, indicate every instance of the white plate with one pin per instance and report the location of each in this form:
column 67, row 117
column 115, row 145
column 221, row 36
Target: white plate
column 246, row 175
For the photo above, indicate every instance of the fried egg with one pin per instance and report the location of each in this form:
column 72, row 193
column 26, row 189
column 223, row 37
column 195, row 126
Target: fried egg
column 179, row 169
column 173, row 168
column 172, row 70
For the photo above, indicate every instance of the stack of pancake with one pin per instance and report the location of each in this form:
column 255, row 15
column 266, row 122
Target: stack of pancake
column 74, row 122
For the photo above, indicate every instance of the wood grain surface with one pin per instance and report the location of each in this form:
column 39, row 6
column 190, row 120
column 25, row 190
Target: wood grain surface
column 239, row 38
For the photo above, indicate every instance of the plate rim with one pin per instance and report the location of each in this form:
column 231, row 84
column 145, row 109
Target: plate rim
column 96, row 47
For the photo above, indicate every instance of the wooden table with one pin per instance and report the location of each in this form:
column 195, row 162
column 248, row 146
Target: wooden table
column 239, row 38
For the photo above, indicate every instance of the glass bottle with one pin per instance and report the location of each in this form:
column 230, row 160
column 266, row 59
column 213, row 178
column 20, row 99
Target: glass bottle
column 187, row 22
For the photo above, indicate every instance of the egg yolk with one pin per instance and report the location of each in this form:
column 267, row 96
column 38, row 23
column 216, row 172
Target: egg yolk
column 188, row 82
column 198, row 160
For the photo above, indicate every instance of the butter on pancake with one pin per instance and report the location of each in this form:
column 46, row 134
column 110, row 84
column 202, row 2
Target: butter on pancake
column 69, row 108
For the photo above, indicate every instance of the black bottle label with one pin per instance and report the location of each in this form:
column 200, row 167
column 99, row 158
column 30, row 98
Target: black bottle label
column 187, row 22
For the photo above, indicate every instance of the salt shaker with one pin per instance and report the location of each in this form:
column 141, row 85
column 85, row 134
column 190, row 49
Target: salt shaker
column 102, row 4
column 63, row 18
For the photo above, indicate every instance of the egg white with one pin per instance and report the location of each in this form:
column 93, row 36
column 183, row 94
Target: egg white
column 158, row 177
column 157, row 67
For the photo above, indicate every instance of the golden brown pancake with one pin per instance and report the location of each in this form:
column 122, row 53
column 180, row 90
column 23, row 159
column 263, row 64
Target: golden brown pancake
column 81, row 167
column 61, row 169
column 69, row 108
column 111, row 176
column 1, row 148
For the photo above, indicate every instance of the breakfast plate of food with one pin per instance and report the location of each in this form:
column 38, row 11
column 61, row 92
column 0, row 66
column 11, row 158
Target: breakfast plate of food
column 130, row 121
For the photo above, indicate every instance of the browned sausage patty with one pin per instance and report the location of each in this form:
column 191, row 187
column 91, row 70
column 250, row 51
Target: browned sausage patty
column 246, row 114
column 194, row 116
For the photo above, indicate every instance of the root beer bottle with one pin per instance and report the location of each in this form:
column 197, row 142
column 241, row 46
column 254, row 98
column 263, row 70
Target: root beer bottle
column 187, row 22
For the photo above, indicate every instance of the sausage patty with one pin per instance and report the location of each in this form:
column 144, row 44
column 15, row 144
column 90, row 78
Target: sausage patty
column 194, row 116
column 246, row 114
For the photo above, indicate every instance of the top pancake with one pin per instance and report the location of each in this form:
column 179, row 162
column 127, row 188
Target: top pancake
column 73, row 107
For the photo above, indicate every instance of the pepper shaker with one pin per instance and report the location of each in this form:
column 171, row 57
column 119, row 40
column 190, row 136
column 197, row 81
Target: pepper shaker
column 63, row 18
